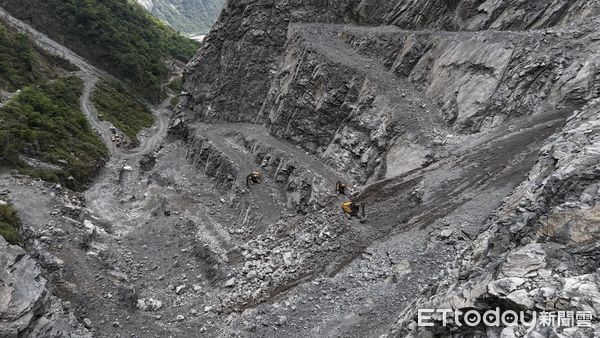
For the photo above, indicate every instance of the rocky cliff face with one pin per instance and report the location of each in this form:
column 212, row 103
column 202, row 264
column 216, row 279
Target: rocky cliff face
column 468, row 129
column 490, row 14
column 434, row 102
column 341, row 92
column 27, row 307
column 539, row 253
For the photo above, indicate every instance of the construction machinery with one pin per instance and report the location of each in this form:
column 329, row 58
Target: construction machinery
column 353, row 209
column 253, row 178
column 341, row 188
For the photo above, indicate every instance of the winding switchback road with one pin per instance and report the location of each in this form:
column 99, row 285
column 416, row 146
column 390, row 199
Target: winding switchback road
column 90, row 74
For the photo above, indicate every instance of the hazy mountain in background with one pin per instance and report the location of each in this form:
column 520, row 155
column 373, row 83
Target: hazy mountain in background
column 191, row 17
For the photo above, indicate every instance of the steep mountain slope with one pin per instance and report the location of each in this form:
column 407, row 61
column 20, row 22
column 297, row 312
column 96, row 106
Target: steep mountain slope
column 467, row 129
column 41, row 117
column 193, row 17
column 46, row 132
column 114, row 34
column 45, row 122
column 22, row 64
column 43, row 108
column 442, row 122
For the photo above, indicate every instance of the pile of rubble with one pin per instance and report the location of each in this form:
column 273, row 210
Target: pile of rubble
column 539, row 255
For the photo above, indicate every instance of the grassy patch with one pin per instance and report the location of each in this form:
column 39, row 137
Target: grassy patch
column 174, row 101
column 23, row 64
column 45, row 122
column 122, row 109
column 17, row 61
column 10, row 224
column 176, row 85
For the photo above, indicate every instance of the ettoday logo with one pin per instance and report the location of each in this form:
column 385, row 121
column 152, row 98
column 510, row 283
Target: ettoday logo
column 500, row 318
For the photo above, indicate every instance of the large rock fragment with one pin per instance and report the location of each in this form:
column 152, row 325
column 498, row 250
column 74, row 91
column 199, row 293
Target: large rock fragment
column 27, row 309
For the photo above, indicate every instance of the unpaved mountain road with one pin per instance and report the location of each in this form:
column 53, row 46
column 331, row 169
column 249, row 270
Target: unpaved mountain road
column 153, row 135
column 88, row 108
column 237, row 140
column 90, row 75
column 407, row 104
column 51, row 46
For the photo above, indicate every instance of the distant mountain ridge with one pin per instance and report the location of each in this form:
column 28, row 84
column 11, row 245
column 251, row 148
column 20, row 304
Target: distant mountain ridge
column 191, row 17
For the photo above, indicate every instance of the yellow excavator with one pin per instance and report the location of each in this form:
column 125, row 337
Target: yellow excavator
column 254, row 178
column 354, row 209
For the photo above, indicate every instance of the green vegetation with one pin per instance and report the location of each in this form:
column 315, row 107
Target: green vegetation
column 192, row 17
column 174, row 102
column 176, row 85
column 122, row 109
column 21, row 64
column 45, row 122
column 116, row 35
column 10, row 224
column 16, row 61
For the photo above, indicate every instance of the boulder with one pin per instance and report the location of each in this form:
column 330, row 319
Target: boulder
column 27, row 307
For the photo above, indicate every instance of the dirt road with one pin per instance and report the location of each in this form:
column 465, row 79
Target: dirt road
column 247, row 146
column 90, row 75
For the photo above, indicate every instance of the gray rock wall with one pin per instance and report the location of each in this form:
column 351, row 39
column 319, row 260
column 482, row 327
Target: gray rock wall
column 480, row 80
column 259, row 66
column 540, row 250
column 229, row 78
column 488, row 14
column 303, row 189
column 27, row 307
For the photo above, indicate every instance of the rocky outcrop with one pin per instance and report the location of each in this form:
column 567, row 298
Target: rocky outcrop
column 228, row 79
column 481, row 80
column 221, row 154
column 304, row 189
column 436, row 120
column 27, row 307
column 254, row 36
column 340, row 92
column 540, row 251
column 212, row 162
column 490, row 14
column 251, row 36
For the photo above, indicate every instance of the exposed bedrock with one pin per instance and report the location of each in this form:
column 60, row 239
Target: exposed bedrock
column 480, row 80
column 539, row 252
column 488, row 14
column 441, row 121
column 228, row 154
column 361, row 97
column 27, row 307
